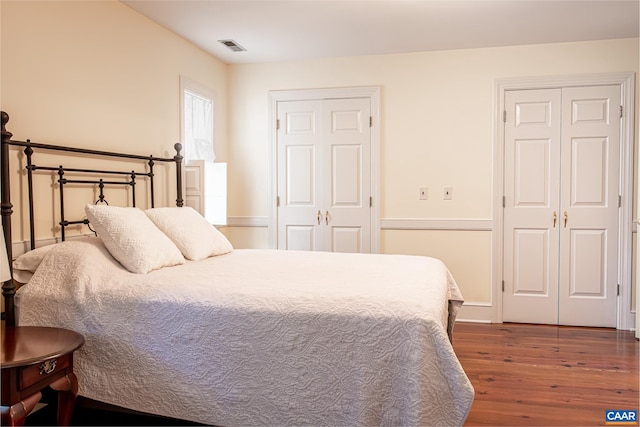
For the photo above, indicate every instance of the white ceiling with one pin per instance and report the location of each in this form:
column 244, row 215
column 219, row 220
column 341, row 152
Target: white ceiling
column 283, row 30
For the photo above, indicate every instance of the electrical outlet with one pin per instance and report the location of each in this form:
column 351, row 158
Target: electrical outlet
column 424, row 193
column 448, row 193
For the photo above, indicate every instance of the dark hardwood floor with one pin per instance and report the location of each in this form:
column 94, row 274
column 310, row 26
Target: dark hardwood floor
column 547, row 375
column 531, row 375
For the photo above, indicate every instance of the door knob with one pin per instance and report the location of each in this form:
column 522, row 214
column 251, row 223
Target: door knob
column 326, row 217
column 555, row 218
column 319, row 216
column 565, row 219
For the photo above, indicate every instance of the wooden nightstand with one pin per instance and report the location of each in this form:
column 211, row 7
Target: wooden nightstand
column 34, row 358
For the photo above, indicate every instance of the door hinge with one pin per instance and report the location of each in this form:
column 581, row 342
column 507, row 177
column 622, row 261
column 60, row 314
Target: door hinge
column 370, row 121
column 277, row 124
column 504, row 116
column 618, row 290
column 504, row 202
column 621, row 111
column 503, row 286
column 619, row 201
column 370, row 202
column 278, row 201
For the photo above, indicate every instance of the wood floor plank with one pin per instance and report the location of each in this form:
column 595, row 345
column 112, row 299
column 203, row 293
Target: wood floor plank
column 547, row 375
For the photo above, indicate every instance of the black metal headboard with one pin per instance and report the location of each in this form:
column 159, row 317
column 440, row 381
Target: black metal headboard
column 6, row 207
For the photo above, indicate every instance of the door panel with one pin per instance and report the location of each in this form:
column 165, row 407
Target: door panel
column 532, row 172
column 346, row 182
column 300, row 176
column 346, row 239
column 347, row 175
column 301, row 122
column 588, row 263
column 531, row 275
column 532, row 156
column 589, row 171
column 300, row 238
column 589, row 258
column 299, row 160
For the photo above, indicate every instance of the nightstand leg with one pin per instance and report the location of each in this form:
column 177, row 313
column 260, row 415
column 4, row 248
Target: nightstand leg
column 16, row 414
column 67, row 388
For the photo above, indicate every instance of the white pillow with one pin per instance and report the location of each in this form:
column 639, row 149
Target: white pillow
column 29, row 261
column 192, row 234
column 132, row 239
column 26, row 264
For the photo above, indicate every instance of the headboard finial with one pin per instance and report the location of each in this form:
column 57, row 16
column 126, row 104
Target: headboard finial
column 6, row 135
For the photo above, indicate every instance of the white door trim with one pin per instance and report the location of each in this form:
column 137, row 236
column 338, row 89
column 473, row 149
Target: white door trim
column 371, row 92
column 626, row 318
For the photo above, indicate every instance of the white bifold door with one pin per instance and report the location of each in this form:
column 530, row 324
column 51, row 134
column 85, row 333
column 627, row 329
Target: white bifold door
column 561, row 205
column 324, row 175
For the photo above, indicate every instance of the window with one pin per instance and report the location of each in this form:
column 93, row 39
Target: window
column 197, row 121
column 205, row 181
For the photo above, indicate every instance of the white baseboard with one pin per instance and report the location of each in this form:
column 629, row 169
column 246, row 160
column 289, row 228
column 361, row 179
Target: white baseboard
column 476, row 313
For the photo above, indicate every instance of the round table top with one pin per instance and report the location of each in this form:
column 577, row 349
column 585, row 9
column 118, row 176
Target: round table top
column 26, row 345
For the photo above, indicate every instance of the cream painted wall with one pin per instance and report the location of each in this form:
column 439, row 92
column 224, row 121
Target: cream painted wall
column 446, row 245
column 437, row 116
column 437, row 129
column 97, row 74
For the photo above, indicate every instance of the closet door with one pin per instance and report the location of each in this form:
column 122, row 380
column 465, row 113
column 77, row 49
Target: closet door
column 299, row 151
column 562, row 156
column 346, row 175
column 324, row 175
column 532, row 193
column 589, row 205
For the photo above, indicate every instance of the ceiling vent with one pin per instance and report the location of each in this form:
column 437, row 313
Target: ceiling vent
column 231, row 44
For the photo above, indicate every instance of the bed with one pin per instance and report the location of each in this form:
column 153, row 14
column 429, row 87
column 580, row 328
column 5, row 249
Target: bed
column 196, row 330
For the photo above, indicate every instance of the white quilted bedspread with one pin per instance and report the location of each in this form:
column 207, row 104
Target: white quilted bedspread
column 259, row 337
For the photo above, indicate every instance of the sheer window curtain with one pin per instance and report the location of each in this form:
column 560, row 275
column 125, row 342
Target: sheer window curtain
column 209, row 196
column 198, row 128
